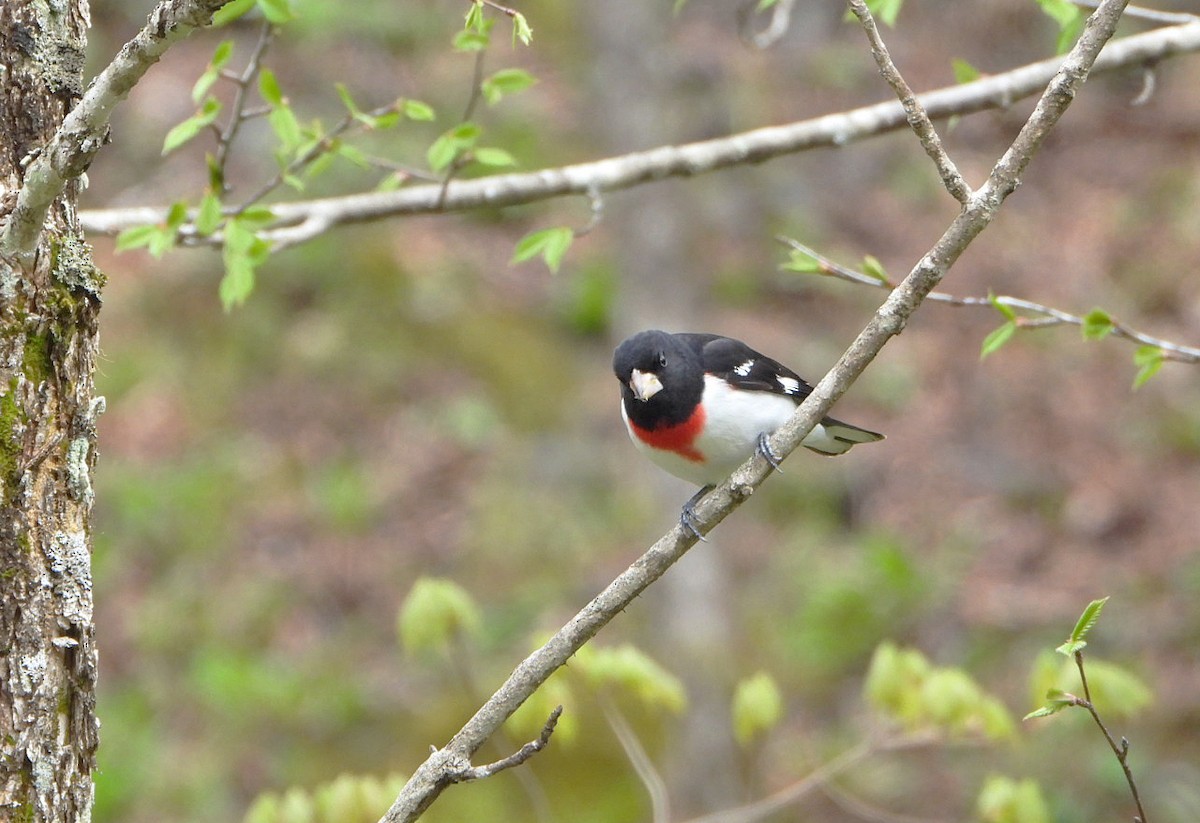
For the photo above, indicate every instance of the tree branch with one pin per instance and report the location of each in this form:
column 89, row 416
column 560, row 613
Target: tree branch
column 918, row 120
column 85, row 128
column 432, row 776
column 1046, row 316
column 301, row 221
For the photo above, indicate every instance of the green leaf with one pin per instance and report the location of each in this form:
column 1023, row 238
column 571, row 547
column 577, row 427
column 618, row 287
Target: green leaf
column 505, row 81
column 886, row 11
column 469, row 41
column 1056, row 701
column 474, row 20
column 451, row 144
column 277, row 12
column 1062, row 12
column 964, row 72
column 1087, row 620
column 220, row 57
column 1148, row 359
column 1003, row 800
column 436, row 612
column 231, row 11
column 347, row 100
column 1001, row 307
column 803, row 262
column 352, row 153
column 136, row 237
column 521, row 30
column 1069, row 34
column 268, row 87
column 191, row 127
column 244, row 251
column 873, row 268
column 551, row 244
column 1097, row 324
column 997, row 338
column 286, row 127
column 493, row 157
column 627, row 667
column 208, row 217
column 757, row 707
column 416, row 110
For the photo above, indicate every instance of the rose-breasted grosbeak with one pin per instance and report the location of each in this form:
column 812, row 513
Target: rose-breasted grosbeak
column 698, row 405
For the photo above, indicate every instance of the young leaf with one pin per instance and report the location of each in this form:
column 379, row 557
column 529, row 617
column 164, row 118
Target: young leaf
column 757, row 707
column 268, row 87
column 551, row 244
column 436, row 612
column 873, row 268
column 964, row 72
column 416, row 110
column 997, row 338
column 1097, row 324
column 1056, row 701
column 277, row 12
column 286, row 127
column 220, row 57
column 886, row 10
column 208, row 216
column 447, row 148
column 198, row 122
column 803, row 262
column 347, row 100
column 493, row 157
column 521, row 30
column 231, row 11
column 505, row 81
column 136, row 236
column 1149, row 360
column 629, row 668
column 1087, row 619
column 468, row 41
column 1001, row 307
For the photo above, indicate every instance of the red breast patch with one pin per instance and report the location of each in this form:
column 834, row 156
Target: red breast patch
column 679, row 438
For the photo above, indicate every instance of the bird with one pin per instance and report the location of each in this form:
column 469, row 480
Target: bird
column 698, row 405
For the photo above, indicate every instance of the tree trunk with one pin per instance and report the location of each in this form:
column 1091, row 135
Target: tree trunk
column 49, row 304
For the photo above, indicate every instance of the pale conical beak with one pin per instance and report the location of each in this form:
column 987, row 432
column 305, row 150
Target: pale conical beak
column 644, row 384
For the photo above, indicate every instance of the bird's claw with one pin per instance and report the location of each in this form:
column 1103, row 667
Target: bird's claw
column 687, row 517
column 768, row 454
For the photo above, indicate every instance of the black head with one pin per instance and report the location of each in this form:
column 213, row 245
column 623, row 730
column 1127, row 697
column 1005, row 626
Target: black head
column 662, row 378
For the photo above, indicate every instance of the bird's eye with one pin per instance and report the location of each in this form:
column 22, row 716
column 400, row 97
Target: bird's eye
column 662, row 360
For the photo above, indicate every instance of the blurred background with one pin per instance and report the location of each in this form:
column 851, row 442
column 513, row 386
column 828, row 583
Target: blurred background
column 397, row 401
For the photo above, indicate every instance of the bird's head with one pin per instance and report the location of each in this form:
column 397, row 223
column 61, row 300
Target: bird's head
column 651, row 361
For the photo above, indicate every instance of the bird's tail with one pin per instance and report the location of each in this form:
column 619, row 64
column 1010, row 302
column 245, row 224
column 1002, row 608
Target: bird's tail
column 833, row 437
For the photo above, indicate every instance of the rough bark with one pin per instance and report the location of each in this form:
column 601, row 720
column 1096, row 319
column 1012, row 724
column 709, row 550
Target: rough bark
column 49, row 301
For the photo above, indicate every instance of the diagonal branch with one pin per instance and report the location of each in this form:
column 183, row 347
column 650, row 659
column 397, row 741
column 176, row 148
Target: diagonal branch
column 85, row 129
column 432, row 777
column 300, row 221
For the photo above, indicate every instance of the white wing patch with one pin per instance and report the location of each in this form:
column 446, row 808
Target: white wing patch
column 744, row 369
column 790, row 384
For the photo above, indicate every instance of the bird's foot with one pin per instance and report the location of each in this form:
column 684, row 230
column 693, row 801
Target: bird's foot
column 768, row 454
column 687, row 517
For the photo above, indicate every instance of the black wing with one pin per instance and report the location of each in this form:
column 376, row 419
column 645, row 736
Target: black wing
column 743, row 367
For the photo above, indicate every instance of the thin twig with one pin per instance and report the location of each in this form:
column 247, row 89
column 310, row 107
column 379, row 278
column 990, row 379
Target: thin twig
column 472, row 101
column 660, row 805
column 781, row 16
column 918, row 119
column 515, row 759
column 1046, row 315
column 866, row 811
column 243, row 82
column 1120, row 750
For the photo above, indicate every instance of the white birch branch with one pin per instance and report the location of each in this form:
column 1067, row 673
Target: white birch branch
column 300, row 221
column 85, row 128
column 435, row 774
